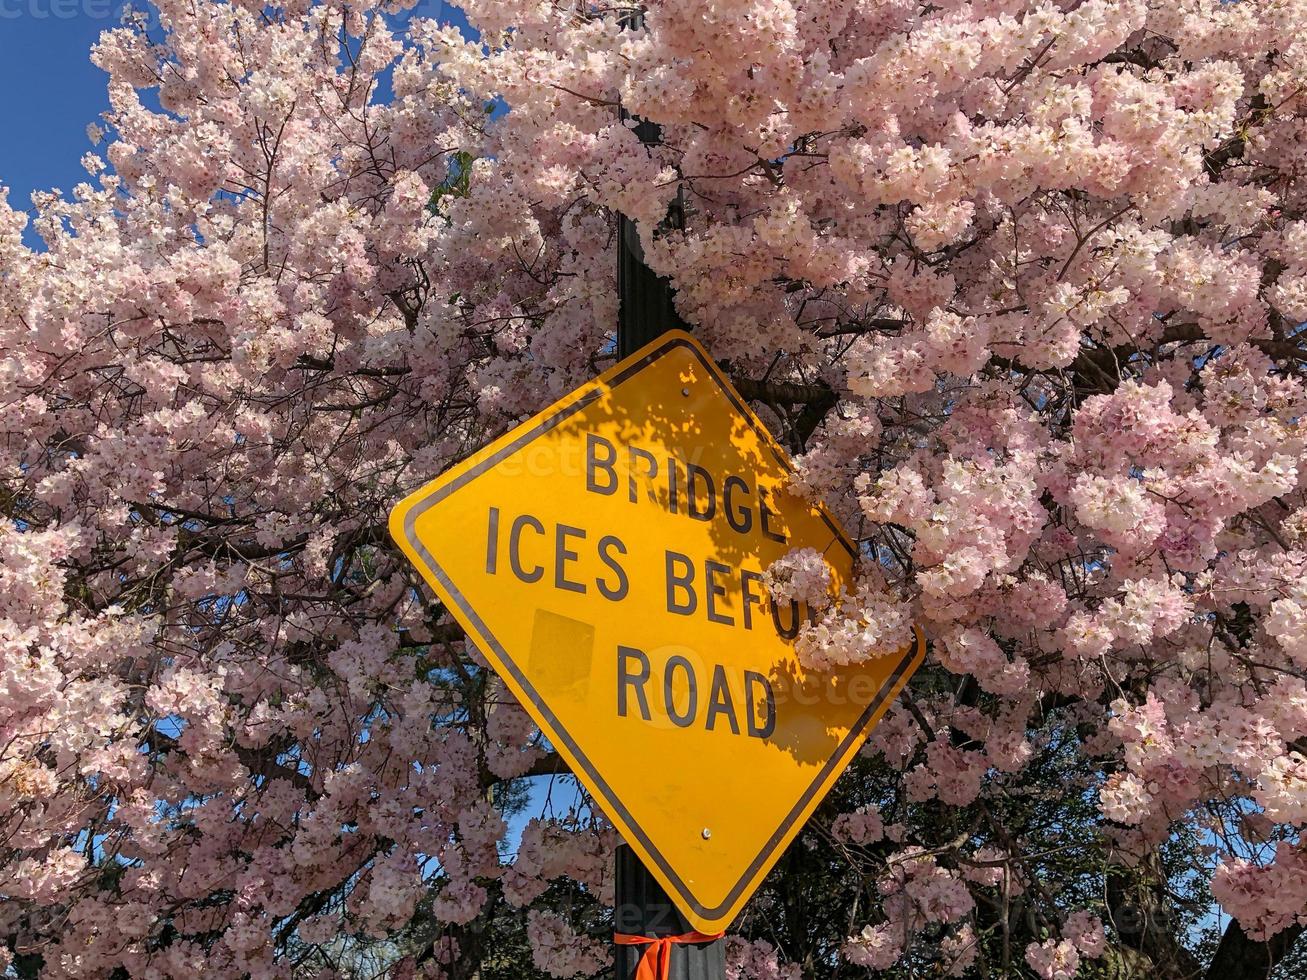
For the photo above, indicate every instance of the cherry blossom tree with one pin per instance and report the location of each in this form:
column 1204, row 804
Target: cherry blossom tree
column 1022, row 286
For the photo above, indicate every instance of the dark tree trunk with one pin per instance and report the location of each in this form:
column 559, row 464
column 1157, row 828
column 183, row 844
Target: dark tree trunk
column 1240, row 958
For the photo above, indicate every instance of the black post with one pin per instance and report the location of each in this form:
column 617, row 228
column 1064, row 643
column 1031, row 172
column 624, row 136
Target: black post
column 645, row 307
column 645, row 300
column 641, row 907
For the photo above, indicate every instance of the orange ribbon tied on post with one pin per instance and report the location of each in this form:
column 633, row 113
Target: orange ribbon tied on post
column 656, row 962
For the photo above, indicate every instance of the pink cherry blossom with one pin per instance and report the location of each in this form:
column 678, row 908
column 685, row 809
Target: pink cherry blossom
column 1020, row 286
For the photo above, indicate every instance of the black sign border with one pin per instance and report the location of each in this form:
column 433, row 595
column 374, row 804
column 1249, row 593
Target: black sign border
column 546, row 422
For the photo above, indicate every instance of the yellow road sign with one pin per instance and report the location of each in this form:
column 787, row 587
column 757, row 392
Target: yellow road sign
column 606, row 556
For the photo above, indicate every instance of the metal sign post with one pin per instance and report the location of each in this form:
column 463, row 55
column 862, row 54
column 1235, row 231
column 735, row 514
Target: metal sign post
column 641, row 906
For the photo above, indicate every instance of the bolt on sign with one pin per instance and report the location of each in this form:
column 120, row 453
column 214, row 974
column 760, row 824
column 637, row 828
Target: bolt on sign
column 607, row 558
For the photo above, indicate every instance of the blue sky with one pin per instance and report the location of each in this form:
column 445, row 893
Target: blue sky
column 50, row 91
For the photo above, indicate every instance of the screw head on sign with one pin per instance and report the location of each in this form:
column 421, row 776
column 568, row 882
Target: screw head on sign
column 685, row 392
column 706, row 833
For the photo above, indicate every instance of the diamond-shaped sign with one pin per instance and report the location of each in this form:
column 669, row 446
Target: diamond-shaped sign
column 606, row 556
